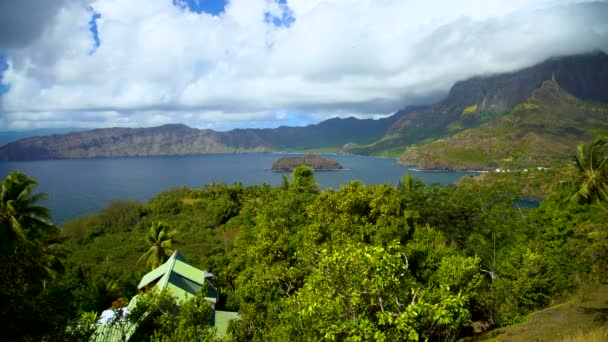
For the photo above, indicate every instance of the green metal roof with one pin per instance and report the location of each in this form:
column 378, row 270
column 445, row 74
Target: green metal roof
column 152, row 276
column 221, row 321
column 118, row 332
column 177, row 275
column 190, row 272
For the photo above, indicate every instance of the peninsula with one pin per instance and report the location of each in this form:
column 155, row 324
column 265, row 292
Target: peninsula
column 311, row 160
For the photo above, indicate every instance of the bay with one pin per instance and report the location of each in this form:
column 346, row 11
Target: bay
column 76, row 187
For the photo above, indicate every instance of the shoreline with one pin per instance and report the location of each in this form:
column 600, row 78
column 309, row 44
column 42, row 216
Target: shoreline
column 444, row 170
column 290, row 170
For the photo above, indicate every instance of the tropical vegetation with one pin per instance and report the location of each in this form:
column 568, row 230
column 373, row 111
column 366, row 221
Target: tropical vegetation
column 159, row 238
column 411, row 262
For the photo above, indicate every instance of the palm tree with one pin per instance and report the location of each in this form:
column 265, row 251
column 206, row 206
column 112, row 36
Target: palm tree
column 590, row 177
column 303, row 179
column 50, row 257
column 20, row 218
column 159, row 238
column 409, row 183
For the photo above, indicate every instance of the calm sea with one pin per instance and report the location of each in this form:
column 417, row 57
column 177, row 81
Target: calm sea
column 81, row 186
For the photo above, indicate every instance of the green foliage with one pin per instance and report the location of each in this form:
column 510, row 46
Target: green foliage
column 160, row 317
column 168, row 202
column 348, row 288
column 380, row 262
column 21, row 219
column 118, row 216
column 594, row 255
column 588, row 180
column 303, row 180
column 189, row 323
column 221, row 209
column 31, row 264
column 159, row 239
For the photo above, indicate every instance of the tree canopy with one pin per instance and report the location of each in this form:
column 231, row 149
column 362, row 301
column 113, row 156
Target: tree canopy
column 413, row 261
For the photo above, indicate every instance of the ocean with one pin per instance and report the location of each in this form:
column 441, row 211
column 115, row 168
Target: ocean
column 76, row 187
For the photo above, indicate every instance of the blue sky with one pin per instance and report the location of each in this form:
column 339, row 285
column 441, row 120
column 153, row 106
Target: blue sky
column 93, row 28
column 265, row 63
column 214, row 7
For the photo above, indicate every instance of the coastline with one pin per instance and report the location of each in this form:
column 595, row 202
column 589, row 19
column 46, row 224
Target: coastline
column 410, row 168
column 290, row 170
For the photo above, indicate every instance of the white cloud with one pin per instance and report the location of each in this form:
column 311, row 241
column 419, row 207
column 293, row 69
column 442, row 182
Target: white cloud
column 158, row 63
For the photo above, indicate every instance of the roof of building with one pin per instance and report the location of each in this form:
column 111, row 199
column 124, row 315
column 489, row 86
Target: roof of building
column 182, row 280
column 179, row 277
column 221, row 321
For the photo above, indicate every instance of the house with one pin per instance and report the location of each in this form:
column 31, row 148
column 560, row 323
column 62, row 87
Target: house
column 182, row 280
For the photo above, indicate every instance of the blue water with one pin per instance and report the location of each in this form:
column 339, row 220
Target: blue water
column 81, row 186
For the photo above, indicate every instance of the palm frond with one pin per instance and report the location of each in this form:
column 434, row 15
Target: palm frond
column 143, row 256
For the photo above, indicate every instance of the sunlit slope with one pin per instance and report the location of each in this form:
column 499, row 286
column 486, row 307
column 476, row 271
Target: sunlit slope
column 476, row 101
column 540, row 132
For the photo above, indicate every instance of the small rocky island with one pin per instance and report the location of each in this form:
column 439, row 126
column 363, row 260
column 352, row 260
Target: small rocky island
column 313, row 161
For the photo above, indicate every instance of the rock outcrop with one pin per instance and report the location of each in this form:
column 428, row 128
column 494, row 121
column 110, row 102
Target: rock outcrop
column 313, row 161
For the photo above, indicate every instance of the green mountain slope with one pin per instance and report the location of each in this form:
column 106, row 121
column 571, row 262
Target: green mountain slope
column 541, row 131
column 483, row 99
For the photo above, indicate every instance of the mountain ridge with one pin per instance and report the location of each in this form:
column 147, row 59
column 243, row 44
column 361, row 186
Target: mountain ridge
column 584, row 75
column 470, row 103
column 179, row 139
column 541, row 132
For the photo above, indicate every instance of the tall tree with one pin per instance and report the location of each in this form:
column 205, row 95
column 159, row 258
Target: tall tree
column 30, row 259
column 159, row 238
column 409, row 183
column 21, row 219
column 303, row 179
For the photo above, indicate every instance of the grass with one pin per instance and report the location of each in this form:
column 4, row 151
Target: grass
column 597, row 335
column 583, row 318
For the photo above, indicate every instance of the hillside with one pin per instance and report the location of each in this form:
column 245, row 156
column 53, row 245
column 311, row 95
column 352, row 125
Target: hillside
column 478, row 100
column 582, row 318
column 542, row 131
column 115, row 142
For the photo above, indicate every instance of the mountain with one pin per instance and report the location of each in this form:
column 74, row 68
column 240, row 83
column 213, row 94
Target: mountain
column 539, row 132
column 10, row 136
column 476, row 103
column 333, row 133
column 178, row 139
column 478, row 100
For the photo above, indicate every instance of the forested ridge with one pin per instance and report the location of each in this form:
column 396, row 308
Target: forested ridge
column 411, row 262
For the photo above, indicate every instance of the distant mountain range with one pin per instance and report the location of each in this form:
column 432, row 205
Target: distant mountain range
column 555, row 104
column 10, row 136
column 178, row 139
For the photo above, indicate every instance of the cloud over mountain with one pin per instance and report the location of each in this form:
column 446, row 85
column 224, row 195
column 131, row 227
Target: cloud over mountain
column 266, row 62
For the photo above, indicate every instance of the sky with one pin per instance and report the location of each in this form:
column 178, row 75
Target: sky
column 264, row 63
